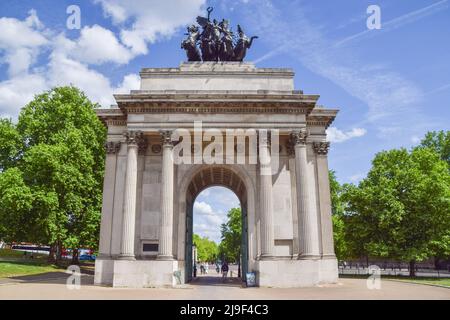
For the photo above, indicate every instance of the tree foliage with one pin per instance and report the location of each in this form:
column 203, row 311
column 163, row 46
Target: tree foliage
column 10, row 144
column 402, row 209
column 337, row 209
column 230, row 246
column 439, row 142
column 207, row 250
column 16, row 200
column 56, row 158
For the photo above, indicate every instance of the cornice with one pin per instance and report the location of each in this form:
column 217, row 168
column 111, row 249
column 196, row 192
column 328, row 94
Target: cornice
column 215, row 95
column 112, row 117
column 321, row 117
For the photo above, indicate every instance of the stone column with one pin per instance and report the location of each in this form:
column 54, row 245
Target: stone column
column 265, row 196
column 166, row 218
column 109, row 182
column 129, row 204
column 321, row 149
column 308, row 232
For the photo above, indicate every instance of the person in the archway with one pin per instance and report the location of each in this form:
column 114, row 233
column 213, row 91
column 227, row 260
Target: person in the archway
column 224, row 270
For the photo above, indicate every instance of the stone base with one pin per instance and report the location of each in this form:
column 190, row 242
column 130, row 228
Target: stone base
column 137, row 273
column 160, row 273
column 104, row 272
column 296, row 273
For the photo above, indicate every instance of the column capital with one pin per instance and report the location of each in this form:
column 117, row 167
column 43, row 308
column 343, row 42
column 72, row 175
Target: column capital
column 136, row 138
column 298, row 137
column 321, row 148
column 112, row 147
column 166, row 138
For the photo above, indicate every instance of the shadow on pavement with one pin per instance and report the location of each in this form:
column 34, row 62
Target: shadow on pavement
column 203, row 280
column 57, row 277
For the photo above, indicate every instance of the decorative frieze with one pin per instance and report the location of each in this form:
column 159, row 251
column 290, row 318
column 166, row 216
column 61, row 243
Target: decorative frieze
column 116, row 122
column 229, row 107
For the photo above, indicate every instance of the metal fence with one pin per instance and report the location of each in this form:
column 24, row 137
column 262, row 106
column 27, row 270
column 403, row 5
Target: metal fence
column 392, row 270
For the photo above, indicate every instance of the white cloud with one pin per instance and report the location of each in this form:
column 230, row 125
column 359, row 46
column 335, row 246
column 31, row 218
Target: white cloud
column 130, row 82
column 206, row 211
column 68, row 62
column 335, row 135
column 19, row 34
column 65, row 71
column 150, row 19
column 18, row 91
column 97, row 45
column 21, row 42
column 207, row 221
column 210, row 210
column 140, row 22
column 203, row 208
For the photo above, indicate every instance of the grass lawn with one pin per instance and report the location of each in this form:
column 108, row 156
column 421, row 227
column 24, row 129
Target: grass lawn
column 12, row 268
column 419, row 280
column 436, row 281
column 13, row 263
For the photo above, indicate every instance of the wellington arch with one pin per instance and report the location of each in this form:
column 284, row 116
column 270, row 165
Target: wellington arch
column 146, row 225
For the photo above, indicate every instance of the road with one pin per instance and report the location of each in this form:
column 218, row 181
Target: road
column 211, row 287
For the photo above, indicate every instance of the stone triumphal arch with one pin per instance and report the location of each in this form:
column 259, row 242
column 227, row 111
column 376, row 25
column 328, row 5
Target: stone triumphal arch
column 146, row 225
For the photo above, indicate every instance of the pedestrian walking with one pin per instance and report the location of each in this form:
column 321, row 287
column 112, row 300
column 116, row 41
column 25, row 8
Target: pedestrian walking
column 224, row 271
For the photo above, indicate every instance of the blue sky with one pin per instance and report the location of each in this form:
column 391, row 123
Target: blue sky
column 392, row 85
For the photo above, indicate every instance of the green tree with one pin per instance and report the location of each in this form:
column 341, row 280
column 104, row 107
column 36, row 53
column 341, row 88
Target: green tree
column 207, row 250
column 337, row 209
column 439, row 142
column 61, row 162
column 16, row 201
column 402, row 209
column 230, row 246
column 10, row 144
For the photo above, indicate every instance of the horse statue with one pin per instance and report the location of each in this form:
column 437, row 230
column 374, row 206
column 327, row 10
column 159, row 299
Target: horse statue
column 216, row 41
column 226, row 50
column 190, row 44
column 242, row 45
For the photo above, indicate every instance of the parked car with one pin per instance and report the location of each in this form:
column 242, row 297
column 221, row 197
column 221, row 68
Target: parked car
column 87, row 257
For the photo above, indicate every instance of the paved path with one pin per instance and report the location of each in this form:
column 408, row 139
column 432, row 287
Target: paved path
column 211, row 287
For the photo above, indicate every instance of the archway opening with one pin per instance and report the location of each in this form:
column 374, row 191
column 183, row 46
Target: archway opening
column 216, row 228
